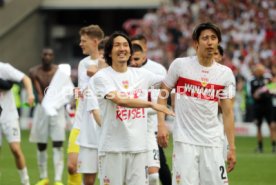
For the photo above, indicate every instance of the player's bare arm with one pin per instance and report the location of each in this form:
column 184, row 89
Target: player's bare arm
column 92, row 69
column 29, row 88
column 229, row 128
column 97, row 116
column 163, row 133
column 136, row 103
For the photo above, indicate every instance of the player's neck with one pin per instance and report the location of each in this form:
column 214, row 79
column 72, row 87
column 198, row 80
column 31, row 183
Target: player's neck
column 47, row 67
column 119, row 67
column 94, row 55
column 205, row 61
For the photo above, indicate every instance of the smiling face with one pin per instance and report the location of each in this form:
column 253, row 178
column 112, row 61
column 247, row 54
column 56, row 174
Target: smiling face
column 120, row 52
column 207, row 43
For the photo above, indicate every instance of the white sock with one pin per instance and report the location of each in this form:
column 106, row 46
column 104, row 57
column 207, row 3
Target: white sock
column 154, row 179
column 42, row 164
column 24, row 177
column 58, row 162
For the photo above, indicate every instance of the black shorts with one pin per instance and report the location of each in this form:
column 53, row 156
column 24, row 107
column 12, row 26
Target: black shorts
column 261, row 112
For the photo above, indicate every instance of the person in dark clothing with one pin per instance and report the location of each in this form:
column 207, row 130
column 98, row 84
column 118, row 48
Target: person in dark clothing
column 262, row 102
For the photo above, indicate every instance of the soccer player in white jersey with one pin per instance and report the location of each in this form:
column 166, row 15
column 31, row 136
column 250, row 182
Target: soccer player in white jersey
column 198, row 135
column 122, row 95
column 138, row 59
column 90, row 37
column 9, row 124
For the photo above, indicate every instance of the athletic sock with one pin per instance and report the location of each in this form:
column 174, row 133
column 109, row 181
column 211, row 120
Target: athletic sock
column 260, row 146
column 58, row 162
column 154, row 179
column 24, row 177
column 42, row 163
column 74, row 179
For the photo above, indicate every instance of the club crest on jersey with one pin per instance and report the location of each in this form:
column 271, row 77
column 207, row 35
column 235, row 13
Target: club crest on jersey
column 125, row 84
column 204, row 81
column 106, row 181
column 178, row 178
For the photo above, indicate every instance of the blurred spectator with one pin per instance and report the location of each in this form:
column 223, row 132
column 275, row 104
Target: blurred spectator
column 262, row 102
column 248, row 27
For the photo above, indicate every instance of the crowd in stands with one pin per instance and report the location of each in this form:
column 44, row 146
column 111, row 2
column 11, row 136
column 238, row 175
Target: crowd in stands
column 248, row 35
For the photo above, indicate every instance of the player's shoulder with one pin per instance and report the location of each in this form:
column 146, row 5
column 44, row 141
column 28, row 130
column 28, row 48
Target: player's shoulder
column 34, row 69
column 155, row 64
column 102, row 72
column 3, row 64
column 183, row 61
column 138, row 70
column 84, row 60
column 223, row 68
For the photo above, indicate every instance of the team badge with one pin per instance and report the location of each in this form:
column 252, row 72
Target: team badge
column 106, row 180
column 178, row 178
column 125, row 84
column 204, row 81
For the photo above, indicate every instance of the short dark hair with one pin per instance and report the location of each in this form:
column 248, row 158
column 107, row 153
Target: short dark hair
column 109, row 45
column 220, row 49
column 136, row 48
column 204, row 26
column 140, row 37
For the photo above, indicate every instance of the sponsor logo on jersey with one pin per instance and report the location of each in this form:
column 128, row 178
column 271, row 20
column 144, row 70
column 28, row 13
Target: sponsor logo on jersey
column 201, row 89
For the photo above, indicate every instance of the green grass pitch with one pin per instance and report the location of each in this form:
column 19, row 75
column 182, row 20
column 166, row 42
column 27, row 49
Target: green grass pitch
column 251, row 168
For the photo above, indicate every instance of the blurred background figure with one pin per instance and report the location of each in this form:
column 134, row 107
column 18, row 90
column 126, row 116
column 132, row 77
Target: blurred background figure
column 262, row 102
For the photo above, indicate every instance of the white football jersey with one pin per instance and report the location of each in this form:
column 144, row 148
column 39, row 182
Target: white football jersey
column 198, row 90
column 83, row 80
column 7, row 102
column 158, row 69
column 123, row 129
column 89, row 130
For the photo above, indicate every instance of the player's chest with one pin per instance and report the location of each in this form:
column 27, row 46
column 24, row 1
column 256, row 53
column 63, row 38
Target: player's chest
column 45, row 77
column 203, row 77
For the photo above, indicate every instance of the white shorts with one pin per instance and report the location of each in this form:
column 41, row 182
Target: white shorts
column 11, row 130
column 88, row 160
column 45, row 126
column 123, row 168
column 225, row 148
column 195, row 165
column 153, row 151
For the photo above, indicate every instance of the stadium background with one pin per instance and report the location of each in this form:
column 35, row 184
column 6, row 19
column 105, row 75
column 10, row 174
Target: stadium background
column 249, row 37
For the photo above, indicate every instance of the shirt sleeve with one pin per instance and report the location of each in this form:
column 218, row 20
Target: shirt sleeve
column 172, row 76
column 102, row 85
column 230, row 85
column 13, row 74
column 91, row 99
